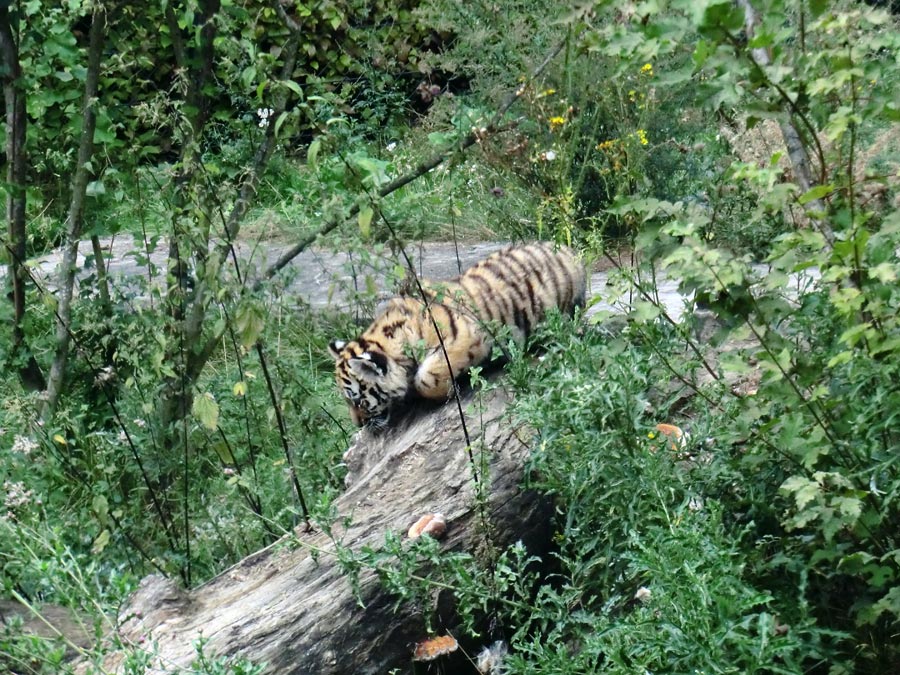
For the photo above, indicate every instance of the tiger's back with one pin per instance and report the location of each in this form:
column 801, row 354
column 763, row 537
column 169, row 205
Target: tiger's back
column 406, row 350
column 516, row 287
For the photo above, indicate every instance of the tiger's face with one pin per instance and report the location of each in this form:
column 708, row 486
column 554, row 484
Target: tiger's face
column 370, row 381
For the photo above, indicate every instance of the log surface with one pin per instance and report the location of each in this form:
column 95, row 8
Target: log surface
column 297, row 612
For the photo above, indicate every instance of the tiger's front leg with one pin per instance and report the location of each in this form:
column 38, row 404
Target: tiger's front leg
column 432, row 381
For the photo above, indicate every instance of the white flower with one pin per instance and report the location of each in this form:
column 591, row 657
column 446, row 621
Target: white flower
column 23, row 445
column 643, row 595
column 140, row 423
column 16, row 494
column 548, row 156
column 264, row 114
column 490, row 659
column 390, row 147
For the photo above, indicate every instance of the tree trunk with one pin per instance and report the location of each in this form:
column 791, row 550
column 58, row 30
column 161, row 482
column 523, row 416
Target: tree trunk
column 292, row 607
column 16, row 177
column 75, row 218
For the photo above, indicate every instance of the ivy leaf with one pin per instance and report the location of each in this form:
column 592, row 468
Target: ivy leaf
column 206, row 410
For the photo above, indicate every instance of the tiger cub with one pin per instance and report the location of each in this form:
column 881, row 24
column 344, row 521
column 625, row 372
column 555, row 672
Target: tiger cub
column 400, row 354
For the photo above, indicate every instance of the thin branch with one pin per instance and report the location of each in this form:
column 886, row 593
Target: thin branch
column 283, row 433
column 75, row 220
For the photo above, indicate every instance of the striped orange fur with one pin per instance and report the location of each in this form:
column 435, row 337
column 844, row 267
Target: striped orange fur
column 400, row 354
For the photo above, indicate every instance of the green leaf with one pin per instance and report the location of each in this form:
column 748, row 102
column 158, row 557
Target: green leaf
column 206, row 410
column 281, row 118
column 804, row 490
column 294, row 87
column 101, row 508
column 817, row 7
column 702, row 52
column 852, row 336
column 250, row 322
column 884, row 272
column 365, row 221
column 312, row 154
column 645, row 311
column 100, row 542
column 816, row 193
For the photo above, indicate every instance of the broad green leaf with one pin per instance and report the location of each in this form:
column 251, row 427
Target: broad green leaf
column 884, row 272
column 281, row 118
column 294, row 87
column 815, row 193
column 803, row 490
column 206, row 410
column 645, row 311
column 250, row 322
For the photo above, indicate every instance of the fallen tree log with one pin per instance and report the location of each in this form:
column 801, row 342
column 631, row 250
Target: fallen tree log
column 291, row 607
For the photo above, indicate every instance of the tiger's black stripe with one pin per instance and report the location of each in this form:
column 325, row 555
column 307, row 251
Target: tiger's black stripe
column 510, row 284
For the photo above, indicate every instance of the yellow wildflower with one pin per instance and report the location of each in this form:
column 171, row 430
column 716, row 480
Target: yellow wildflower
column 642, row 136
column 547, row 92
column 606, row 145
column 647, row 69
column 556, row 122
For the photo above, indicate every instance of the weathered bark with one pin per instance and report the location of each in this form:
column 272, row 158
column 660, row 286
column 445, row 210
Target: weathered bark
column 293, row 608
column 75, row 218
column 16, row 176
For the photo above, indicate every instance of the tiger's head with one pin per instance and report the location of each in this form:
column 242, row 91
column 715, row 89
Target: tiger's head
column 371, row 381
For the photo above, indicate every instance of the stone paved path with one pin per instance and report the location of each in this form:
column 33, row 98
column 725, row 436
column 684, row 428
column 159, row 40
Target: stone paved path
column 320, row 277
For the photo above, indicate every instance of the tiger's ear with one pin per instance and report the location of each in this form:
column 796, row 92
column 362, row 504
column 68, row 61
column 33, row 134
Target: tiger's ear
column 335, row 347
column 368, row 364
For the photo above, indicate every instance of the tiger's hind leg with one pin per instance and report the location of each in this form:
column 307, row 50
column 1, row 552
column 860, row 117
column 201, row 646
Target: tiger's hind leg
column 432, row 381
